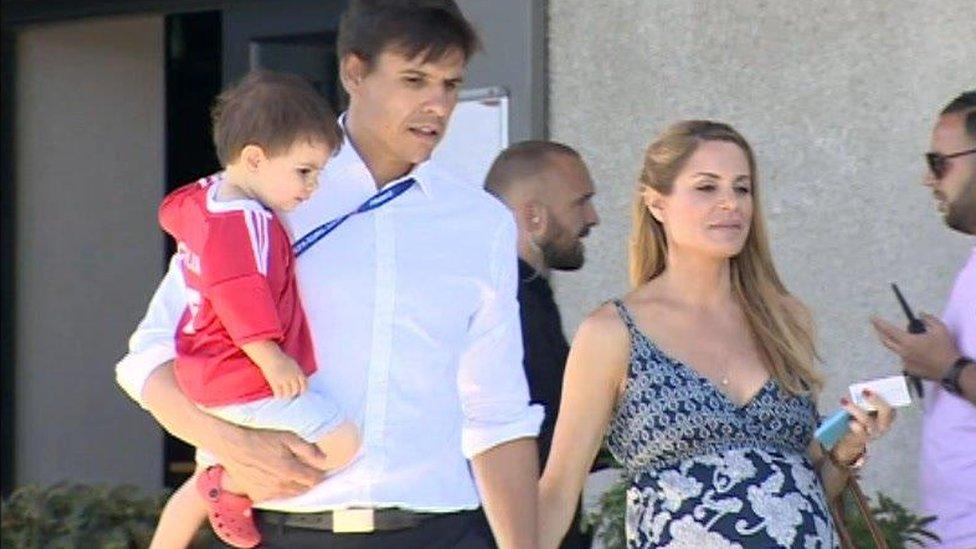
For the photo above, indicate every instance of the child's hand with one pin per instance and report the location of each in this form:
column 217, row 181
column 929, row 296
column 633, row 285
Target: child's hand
column 285, row 378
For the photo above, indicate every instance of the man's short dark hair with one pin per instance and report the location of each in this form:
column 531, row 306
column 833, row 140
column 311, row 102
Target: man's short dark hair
column 273, row 111
column 965, row 103
column 432, row 28
column 524, row 159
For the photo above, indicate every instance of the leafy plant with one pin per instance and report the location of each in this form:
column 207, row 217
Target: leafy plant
column 607, row 520
column 901, row 528
column 76, row 515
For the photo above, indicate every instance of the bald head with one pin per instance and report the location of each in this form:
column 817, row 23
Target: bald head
column 548, row 188
column 521, row 169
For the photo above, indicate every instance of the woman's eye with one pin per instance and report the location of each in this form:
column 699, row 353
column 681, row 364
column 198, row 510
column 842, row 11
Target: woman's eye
column 743, row 190
column 706, row 188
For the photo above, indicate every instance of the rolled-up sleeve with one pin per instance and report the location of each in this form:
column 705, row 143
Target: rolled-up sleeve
column 491, row 378
column 152, row 344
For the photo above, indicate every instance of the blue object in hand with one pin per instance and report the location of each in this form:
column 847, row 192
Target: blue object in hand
column 831, row 430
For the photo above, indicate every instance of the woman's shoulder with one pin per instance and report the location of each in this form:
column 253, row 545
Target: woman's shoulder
column 603, row 328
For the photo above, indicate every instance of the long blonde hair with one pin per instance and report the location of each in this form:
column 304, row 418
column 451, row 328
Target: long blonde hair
column 781, row 329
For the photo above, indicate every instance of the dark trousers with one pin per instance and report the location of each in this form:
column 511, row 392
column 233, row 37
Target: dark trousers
column 461, row 530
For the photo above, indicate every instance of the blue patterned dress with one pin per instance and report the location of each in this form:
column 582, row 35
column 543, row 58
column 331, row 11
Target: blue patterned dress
column 706, row 473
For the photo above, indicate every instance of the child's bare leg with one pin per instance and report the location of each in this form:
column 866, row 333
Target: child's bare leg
column 182, row 517
column 340, row 445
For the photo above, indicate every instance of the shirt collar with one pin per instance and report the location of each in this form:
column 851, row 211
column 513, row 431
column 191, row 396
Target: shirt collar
column 349, row 161
column 532, row 279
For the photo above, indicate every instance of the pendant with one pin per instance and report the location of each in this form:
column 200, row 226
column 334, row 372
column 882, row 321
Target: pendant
column 725, row 381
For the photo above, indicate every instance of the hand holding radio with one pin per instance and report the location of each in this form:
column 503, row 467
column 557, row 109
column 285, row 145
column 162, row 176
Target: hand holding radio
column 927, row 349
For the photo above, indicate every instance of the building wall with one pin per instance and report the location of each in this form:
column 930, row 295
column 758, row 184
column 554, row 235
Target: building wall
column 89, row 157
column 837, row 99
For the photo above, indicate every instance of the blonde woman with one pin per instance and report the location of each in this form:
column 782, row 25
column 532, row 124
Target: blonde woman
column 703, row 375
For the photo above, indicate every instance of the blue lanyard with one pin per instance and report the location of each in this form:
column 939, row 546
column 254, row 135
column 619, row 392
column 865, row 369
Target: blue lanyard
column 304, row 243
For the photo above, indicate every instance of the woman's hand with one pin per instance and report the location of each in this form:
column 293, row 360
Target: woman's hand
column 865, row 426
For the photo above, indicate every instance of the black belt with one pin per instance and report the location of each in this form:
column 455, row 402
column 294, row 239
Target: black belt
column 350, row 520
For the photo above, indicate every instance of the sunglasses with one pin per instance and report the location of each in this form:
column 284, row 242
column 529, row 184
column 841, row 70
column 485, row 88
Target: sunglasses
column 939, row 163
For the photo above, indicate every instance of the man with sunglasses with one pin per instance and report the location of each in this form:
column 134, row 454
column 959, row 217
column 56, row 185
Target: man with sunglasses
column 944, row 353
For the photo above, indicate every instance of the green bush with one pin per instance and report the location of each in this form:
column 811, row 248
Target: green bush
column 67, row 515
column 900, row 527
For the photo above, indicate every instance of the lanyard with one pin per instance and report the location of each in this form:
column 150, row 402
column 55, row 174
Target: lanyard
column 304, row 243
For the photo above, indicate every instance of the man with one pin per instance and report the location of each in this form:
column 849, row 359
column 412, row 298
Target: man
column 944, row 353
column 412, row 308
column 549, row 190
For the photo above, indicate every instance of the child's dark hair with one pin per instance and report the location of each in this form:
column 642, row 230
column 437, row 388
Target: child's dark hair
column 273, row 111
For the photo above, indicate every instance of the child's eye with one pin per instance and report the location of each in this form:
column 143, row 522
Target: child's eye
column 706, row 188
column 743, row 190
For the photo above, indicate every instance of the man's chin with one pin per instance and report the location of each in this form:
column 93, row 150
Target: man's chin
column 566, row 264
column 961, row 223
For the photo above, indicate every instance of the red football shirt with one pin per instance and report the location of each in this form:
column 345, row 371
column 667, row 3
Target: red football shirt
column 240, row 277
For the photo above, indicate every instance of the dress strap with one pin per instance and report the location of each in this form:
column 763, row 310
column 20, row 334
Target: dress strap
column 626, row 316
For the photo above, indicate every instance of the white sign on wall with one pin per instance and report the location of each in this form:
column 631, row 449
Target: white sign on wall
column 478, row 131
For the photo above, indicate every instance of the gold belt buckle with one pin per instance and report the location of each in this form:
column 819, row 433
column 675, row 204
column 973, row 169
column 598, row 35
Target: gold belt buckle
column 353, row 521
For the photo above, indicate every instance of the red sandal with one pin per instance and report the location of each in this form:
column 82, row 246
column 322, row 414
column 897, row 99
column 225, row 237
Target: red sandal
column 230, row 514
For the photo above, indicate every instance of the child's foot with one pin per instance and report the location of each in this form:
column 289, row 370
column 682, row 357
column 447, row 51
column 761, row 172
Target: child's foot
column 230, row 514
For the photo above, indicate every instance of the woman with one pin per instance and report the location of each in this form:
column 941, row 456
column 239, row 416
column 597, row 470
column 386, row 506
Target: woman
column 704, row 372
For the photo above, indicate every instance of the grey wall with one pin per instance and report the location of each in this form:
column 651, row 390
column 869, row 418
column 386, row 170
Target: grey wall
column 837, row 98
column 89, row 156
column 514, row 56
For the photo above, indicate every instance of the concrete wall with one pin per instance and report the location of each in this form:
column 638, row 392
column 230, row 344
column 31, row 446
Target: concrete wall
column 89, row 144
column 837, row 98
column 514, row 56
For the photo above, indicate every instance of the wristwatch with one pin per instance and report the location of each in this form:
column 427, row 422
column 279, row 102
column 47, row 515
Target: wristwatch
column 950, row 381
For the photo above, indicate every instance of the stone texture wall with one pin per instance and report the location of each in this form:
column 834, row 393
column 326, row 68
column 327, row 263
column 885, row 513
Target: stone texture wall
column 837, row 99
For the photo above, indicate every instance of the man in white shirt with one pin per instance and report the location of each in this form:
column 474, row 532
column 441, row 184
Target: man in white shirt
column 413, row 312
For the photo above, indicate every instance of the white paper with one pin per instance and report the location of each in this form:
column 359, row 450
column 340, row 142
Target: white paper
column 892, row 389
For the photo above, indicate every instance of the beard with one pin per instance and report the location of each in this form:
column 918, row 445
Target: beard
column 563, row 249
column 563, row 258
column 961, row 212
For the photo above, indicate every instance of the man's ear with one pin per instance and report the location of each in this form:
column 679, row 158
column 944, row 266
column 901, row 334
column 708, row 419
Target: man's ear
column 352, row 70
column 252, row 157
column 533, row 218
column 654, row 202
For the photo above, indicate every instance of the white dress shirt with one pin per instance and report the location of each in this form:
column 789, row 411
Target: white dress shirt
column 414, row 317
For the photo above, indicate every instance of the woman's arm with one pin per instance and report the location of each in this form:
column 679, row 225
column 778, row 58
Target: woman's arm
column 595, row 374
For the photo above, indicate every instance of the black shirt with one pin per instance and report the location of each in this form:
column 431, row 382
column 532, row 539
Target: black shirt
column 546, row 350
column 545, row 347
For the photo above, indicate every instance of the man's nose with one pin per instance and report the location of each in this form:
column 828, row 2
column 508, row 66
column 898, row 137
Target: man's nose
column 592, row 218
